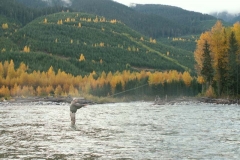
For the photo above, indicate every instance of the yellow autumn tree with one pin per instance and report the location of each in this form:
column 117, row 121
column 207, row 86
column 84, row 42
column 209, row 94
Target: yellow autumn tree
column 5, row 68
column 39, row 91
column 60, row 22
column 45, row 20
column 3, row 50
column 236, row 30
column 101, row 44
column 113, row 21
column 218, row 46
column 79, row 25
column 67, row 20
column 4, row 91
column 1, row 70
column 58, row 90
column 198, row 53
column 5, row 26
column 82, row 58
column 187, row 79
column 15, row 91
column 11, row 71
column 26, row 49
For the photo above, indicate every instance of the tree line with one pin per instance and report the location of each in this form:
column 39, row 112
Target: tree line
column 17, row 81
column 218, row 60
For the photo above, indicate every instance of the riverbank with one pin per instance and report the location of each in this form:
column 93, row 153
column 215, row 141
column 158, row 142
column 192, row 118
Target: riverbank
column 97, row 100
column 172, row 101
column 59, row 100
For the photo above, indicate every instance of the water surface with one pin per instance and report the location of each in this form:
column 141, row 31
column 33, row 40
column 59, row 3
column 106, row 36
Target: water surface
column 136, row 130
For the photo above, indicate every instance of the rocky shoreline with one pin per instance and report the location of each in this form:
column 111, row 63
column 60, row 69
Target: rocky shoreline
column 159, row 101
column 39, row 100
column 50, row 100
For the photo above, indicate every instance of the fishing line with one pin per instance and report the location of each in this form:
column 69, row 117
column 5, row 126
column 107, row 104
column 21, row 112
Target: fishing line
column 128, row 90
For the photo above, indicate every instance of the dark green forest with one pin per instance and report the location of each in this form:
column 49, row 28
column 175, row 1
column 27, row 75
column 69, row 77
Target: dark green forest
column 152, row 21
column 190, row 21
column 116, row 45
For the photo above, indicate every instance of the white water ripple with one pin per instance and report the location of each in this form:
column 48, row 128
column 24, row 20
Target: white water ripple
column 136, row 130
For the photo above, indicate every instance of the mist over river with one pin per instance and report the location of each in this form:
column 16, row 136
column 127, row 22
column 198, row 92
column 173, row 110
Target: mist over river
column 137, row 130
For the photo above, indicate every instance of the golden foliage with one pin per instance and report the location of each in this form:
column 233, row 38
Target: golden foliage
column 187, row 79
column 79, row 25
column 4, row 26
column 45, row 20
column 153, row 41
column 82, row 58
column 18, row 82
column 3, row 50
column 60, row 22
column 200, row 80
column 210, row 92
column 113, row 21
column 26, row 49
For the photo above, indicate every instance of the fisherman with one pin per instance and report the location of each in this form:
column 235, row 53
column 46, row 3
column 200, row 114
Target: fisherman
column 75, row 105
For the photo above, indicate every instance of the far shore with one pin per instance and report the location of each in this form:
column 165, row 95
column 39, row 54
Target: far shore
column 156, row 101
column 198, row 100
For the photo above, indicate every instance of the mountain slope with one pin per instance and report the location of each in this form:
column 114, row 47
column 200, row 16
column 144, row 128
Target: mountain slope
column 150, row 25
column 23, row 14
column 189, row 20
column 107, row 45
column 151, row 20
column 44, row 3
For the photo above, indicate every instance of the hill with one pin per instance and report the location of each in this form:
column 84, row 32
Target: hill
column 107, row 45
column 43, row 3
column 146, row 19
column 19, row 12
column 192, row 22
column 149, row 25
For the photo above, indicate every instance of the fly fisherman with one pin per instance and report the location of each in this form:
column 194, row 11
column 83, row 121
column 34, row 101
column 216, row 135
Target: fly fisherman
column 75, row 105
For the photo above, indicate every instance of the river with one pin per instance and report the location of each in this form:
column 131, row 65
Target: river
column 137, row 130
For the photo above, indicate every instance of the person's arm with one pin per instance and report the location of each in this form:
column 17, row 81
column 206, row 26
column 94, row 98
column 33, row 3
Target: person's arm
column 78, row 105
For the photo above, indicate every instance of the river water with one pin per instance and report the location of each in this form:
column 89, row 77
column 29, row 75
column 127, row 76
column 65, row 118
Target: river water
column 137, row 130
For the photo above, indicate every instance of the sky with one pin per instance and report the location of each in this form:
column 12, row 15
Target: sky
column 202, row 6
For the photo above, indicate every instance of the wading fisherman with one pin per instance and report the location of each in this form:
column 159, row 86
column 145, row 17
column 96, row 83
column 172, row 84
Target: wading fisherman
column 75, row 105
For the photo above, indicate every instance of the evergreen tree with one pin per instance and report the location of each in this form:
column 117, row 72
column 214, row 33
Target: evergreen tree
column 232, row 77
column 207, row 70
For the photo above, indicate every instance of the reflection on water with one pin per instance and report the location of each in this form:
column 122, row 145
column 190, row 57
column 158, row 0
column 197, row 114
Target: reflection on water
column 136, row 130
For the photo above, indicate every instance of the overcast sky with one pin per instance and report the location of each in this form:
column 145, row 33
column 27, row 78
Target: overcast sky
column 203, row 6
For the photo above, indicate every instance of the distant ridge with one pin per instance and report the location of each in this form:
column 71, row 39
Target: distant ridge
column 151, row 20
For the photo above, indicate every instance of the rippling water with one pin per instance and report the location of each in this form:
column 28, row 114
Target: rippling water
column 136, row 130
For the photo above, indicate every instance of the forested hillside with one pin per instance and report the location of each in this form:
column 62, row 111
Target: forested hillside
column 106, row 45
column 151, row 20
column 150, row 25
column 22, row 14
column 43, row 3
column 191, row 22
